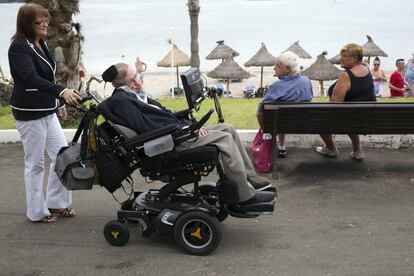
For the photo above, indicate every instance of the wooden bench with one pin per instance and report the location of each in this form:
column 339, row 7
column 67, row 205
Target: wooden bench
column 336, row 118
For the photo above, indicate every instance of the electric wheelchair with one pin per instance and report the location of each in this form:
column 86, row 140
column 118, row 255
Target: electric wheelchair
column 191, row 217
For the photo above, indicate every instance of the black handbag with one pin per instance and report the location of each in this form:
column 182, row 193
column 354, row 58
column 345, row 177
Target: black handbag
column 73, row 166
column 111, row 169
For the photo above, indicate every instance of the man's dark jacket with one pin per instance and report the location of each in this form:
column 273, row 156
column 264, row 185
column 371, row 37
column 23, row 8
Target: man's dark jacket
column 139, row 116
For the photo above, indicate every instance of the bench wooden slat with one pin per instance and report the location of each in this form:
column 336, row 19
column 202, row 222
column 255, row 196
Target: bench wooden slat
column 339, row 118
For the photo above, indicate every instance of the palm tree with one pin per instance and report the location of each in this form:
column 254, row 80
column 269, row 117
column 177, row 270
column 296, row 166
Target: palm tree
column 194, row 10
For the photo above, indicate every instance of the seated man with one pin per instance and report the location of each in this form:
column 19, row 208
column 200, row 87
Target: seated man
column 291, row 87
column 143, row 114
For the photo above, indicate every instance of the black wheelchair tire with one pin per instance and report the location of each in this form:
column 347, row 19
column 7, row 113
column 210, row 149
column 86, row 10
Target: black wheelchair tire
column 205, row 235
column 205, row 189
column 116, row 233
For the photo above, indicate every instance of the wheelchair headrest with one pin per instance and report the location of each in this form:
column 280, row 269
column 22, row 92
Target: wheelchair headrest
column 109, row 74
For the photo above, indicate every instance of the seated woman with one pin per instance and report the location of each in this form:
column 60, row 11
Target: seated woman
column 143, row 114
column 291, row 87
column 354, row 84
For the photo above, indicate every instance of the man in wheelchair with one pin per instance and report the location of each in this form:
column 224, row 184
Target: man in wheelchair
column 143, row 114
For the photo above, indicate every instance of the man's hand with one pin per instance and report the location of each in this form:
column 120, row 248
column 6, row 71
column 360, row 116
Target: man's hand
column 71, row 97
column 63, row 114
column 202, row 132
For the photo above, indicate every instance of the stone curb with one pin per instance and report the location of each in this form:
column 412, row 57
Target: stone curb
column 292, row 140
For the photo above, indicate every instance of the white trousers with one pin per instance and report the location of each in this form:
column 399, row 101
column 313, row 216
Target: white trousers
column 37, row 136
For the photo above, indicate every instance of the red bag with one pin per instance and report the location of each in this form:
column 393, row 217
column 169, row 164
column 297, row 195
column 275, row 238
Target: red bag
column 262, row 153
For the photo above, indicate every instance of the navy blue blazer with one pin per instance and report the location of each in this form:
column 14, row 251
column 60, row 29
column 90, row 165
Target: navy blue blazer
column 139, row 116
column 33, row 74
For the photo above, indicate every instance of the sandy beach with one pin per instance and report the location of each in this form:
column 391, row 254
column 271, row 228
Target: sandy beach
column 157, row 84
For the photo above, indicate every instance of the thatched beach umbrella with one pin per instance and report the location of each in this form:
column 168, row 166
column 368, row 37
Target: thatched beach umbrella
column 261, row 58
column 175, row 58
column 228, row 70
column 372, row 50
column 222, row 51
column 336, row 59
column 298, row 50
column 322, row 70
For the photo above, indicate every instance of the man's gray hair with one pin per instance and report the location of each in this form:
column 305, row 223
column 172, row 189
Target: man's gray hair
column 119, row 80
column 287, row 59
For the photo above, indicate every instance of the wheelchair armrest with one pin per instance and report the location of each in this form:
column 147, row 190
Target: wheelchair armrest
column 183, row 113
column 145, row 137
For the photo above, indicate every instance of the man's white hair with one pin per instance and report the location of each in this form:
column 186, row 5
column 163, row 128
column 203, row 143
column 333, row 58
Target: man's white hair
column 288, row 59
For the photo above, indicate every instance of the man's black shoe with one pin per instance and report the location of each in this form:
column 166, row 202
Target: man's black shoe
column 282, row 153
column 261, row 185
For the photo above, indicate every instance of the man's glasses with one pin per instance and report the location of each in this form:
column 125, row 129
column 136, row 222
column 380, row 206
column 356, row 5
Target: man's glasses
column 137, row 78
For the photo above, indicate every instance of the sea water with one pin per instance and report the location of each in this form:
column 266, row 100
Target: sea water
column 121, row 30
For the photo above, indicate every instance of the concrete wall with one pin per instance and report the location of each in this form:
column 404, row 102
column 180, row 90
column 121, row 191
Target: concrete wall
column 293, row 140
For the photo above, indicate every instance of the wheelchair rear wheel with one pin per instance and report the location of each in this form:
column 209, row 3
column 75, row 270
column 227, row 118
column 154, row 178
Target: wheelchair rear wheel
column 197, row 233
column 116, row 233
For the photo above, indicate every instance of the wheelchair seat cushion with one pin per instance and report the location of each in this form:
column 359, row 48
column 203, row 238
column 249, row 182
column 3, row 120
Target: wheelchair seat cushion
column 196, row 156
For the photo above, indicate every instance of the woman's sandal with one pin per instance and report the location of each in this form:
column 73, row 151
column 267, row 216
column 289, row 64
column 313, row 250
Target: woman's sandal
column 48, row 219
column 66, row 212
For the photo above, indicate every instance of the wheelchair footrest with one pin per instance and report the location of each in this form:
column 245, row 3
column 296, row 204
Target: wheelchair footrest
column 252, row 210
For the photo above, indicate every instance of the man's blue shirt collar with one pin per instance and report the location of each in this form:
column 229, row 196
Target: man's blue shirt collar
column 287, row 77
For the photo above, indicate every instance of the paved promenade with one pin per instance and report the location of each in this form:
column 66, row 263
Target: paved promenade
column 333, row 217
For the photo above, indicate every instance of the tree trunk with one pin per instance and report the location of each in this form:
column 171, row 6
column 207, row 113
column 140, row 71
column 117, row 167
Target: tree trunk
column 194, row 10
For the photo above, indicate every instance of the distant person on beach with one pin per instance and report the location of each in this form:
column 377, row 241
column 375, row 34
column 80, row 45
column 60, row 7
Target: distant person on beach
column 291, row 87
column 354, row 84
column 143, row 115
column 140, row 67
column 35, row 101
column 378, row 76
column 398, row 86
column 409, row 76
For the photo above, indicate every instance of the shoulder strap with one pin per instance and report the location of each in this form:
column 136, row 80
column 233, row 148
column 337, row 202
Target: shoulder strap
column 84, row 139
column 350, row 74
column 79, row 131
column 83, row 129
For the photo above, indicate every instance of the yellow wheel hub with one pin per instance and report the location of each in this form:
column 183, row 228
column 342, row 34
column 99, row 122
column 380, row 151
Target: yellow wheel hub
column 197, row 234
column 115, row 234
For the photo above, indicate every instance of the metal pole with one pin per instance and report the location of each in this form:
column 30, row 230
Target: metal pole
column 228, row 84
column 178, row 79
column 261, row 76
column 321, row 85
column 172, row 66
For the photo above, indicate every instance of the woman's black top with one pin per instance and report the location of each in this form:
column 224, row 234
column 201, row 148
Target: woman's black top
column 362, row 89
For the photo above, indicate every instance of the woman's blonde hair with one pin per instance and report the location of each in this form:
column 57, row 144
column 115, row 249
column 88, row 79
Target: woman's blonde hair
column 353, row 50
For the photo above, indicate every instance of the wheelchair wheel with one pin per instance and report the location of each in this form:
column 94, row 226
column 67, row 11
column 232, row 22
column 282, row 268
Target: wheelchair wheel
column 208, row 190
column 197, row 233
column 116, row 233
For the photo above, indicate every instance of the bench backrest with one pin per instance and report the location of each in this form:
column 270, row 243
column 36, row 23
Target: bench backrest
column 339, row 118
